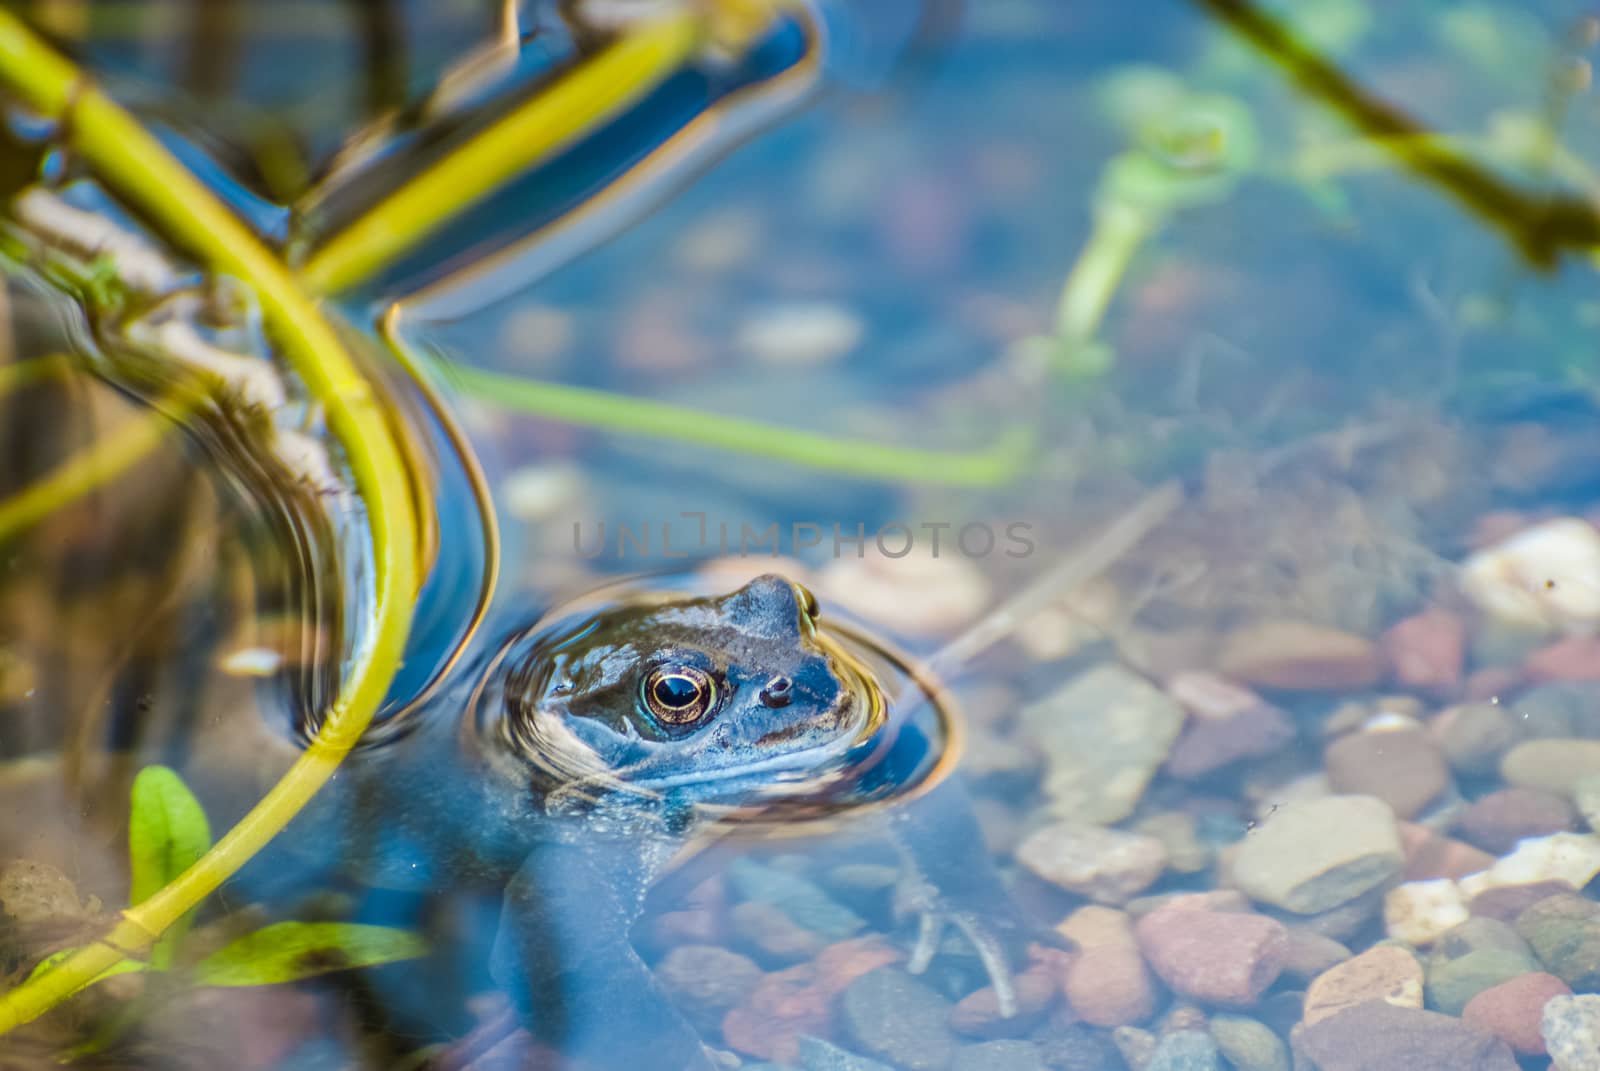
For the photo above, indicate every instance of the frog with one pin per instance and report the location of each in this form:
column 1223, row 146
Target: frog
column 594, row 749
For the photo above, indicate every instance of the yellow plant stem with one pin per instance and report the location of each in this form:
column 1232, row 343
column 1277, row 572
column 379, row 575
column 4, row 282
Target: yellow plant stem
column 128, row 444
column 592, row 92
column 135, row 166
column 998, row 463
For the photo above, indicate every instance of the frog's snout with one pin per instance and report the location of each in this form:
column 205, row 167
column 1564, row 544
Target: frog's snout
column 785, row 607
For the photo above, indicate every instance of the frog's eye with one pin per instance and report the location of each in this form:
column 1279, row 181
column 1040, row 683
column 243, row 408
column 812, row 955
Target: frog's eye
column 679, row 695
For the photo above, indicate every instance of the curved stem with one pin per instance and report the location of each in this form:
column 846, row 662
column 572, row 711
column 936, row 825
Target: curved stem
column 135, row 166
column 997, row 463
column 547, row 122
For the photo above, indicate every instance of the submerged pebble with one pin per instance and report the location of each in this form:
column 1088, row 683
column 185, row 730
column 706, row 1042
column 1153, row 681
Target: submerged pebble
column 1217, row 957
column 1312, row 855
column 1109, row 866
column 1571, row 1029
column 1513, row 1011
column 1104, row 735
column 1381, row 1037
column 1384, row 972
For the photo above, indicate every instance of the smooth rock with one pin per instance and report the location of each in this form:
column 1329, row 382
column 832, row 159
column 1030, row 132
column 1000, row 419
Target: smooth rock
column 1430, row 856
column 1313, row 855
column 1111, row 986
column 1136, row 1046
column 1185, row 1050
column 1108, row 982
column 893, row 1016
column 768, row 932
column 1249, row 1045
column 1109, row 866
column 999, row 1056
column 1474, row 736
column 818, row 1055
column 1104, row 736
column 1497, row 821
column 1507, row 902
column 1513, row 1010
column 1586, row 798
column 780, row 1009
column 1376, row 1036
column 1576, row 658
column 1214, row 956
column 1571, row 1029
column 711, row 982
column 1384, row 972
column 1426, row 651
column 1070, row 1047
column 1419, row 912
column 806, row 903
column 800, row 334
column 1311, row 953
column 1555, row 765
column 1564, row 932
column 1569, row 709
column 1543, row 578
column 1227, row 723
column 1454, row 982
column 1479, row 933
column 1299, row 656
column 1570, row 857
column 1036, row 990
column 1403, row 768
column 1179, row 835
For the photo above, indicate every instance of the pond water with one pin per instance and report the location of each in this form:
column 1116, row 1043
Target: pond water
column 1205, row 394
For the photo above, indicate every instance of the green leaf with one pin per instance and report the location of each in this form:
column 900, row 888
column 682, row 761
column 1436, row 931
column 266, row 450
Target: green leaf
column 167, row 833
column 289, row 951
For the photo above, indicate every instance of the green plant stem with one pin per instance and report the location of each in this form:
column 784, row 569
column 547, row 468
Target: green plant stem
column 135, row 166
column 558, row 115
column 998, row 463
column 1119, row 231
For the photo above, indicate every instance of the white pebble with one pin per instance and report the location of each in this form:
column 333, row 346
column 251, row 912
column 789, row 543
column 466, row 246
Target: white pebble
column 1420, row 912
column 805, row 334
column 1570, row 857
column 251, row 662
column 537, row 492
column 1545, row 578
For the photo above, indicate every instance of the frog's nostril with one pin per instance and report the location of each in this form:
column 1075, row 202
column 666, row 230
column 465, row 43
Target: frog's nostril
column 778, row 692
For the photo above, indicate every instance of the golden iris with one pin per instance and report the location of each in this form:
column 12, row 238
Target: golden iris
column 679, row 695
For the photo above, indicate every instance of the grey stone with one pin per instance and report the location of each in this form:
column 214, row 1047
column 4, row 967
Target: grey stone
column 1313, row 855
column 999, row 1056
column 1453, row 982
column 1104, row 735
column 1249, row 1045
column 1109, row 866
column 1185, row 1050
column 893, row 1016
column 818, row 1055
column 803, row 901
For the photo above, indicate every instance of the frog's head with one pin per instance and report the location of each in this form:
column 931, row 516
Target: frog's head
column 712, row 698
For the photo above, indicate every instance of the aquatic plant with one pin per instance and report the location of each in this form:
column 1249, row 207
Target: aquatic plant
column 167, row 834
